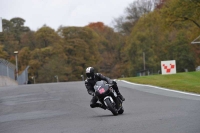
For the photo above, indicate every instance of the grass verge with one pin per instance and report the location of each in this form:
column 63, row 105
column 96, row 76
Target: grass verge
column 187, row 82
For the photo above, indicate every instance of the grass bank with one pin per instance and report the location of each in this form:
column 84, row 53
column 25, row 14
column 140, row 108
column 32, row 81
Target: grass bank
column 188, row 82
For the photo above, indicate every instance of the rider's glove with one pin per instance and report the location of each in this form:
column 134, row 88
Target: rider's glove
column 111, row 83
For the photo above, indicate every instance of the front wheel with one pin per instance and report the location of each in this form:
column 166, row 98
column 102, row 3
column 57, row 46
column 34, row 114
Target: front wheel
column 121, row 111
column 111, row 106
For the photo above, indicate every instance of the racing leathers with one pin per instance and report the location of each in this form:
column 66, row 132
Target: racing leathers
column 90, row 82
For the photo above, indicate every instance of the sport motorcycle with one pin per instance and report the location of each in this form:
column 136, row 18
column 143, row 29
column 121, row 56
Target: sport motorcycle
column 108, row 97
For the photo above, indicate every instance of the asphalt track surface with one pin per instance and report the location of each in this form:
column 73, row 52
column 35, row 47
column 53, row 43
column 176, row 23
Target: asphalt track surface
column 64, row 108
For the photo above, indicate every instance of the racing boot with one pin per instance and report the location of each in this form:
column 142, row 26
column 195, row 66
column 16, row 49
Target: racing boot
column 115, row 87
column 102, row 106
column 120, row 96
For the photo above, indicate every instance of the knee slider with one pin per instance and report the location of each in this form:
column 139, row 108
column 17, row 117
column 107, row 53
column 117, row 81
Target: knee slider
column 92, row 105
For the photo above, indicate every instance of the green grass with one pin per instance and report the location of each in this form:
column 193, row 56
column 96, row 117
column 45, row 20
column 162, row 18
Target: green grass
column 188, row 82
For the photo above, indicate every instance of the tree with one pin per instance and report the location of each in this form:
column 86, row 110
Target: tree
column 110, row 45
column 45, row 37
column 182, row 10
column 23, row 57
column 3, row 54
column 40, row 59
column 18, row 24
column 54, row 67
column 17, row 27
column 133, row 12
column 12, row 31
column 159, row 42
column 180, row 50
column 98, row 26
column 29, row 40
column 80, row 47
column 160, row 3
column 6, row 25
column 146, row 37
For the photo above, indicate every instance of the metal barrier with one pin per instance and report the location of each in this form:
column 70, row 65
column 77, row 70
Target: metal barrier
column 7, row 69
column 23, row 77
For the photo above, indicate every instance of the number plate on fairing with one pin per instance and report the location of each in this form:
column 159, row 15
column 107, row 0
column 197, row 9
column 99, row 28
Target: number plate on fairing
column 101, row 90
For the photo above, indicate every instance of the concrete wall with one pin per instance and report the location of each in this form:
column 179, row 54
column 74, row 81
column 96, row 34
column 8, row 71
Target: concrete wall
column 6, row 81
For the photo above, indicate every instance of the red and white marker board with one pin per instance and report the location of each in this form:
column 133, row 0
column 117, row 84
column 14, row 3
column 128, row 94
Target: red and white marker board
column 168, row 67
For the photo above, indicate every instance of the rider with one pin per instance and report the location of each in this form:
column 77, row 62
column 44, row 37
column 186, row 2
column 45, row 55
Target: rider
column 92, row 78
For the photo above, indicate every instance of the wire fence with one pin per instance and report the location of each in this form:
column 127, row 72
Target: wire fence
column 23, row 77
column 8, row 69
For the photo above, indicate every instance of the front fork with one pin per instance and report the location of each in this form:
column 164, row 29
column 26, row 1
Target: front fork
column 115, row 100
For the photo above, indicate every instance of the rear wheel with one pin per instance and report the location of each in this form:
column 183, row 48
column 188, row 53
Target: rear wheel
column 111, row 106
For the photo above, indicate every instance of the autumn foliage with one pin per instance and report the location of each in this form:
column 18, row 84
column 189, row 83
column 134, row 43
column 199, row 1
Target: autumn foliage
column 98, row 25
column 163, row 31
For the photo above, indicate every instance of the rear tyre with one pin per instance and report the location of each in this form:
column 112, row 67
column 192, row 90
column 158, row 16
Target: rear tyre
column 111, row 107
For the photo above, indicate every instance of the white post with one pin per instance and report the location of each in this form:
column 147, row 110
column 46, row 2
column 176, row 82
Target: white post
column 57, row 78
column 33, row 77
column 82, row 77
column 1, row 27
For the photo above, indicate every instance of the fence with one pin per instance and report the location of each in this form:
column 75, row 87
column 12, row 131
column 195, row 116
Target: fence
column 23, row 77
column 8, row 69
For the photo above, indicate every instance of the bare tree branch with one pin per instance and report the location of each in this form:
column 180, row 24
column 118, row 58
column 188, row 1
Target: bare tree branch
column 185, row 19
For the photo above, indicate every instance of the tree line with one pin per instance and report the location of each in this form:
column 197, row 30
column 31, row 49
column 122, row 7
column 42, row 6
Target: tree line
column 162, row 29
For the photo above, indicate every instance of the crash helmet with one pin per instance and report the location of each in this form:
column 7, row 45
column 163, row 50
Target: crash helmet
column 90, row 72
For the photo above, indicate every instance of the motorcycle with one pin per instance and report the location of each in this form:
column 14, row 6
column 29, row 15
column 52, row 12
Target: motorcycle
column 108, row 97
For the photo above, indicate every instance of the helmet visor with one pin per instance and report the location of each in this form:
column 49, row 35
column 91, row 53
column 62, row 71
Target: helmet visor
column 89, row 75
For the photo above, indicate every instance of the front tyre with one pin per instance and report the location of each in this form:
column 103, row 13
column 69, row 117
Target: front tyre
column 111, row 106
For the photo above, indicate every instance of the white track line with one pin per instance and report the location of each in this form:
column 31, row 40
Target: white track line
column 160, row 88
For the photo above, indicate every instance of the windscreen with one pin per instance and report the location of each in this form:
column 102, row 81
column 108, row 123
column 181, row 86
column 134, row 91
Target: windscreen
column 99, row 84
